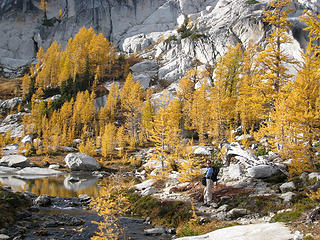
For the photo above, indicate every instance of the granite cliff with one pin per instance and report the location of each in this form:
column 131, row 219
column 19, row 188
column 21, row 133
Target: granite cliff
column 141, row 26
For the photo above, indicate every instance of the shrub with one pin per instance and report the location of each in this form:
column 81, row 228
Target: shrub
column 170, row 39
column 252, row 2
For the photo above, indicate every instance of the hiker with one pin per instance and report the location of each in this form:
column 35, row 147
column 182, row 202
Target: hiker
column 209, row 184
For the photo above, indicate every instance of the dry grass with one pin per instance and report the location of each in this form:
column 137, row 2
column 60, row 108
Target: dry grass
column 9, row 87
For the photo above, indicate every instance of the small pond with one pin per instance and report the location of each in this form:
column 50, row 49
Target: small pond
column 66, row 185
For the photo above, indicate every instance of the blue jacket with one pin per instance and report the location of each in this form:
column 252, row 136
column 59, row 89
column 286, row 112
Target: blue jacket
column 209, row 173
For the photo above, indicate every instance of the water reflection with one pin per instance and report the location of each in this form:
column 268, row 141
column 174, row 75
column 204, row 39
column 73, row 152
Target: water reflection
column 76, row 182
column 69, row 185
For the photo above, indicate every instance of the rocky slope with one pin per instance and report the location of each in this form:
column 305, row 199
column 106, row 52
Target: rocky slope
column 135, row 26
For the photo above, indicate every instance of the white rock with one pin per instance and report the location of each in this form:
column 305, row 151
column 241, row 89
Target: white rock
column 36, row 171
column 10, row 103
column 77, row 141
column 12, row 146
column 314, row 175
column 4, row 237
column 27, row 139
column 234, row 171
column 289, row 196
column 81, row 161
column 7, row 170
column 148, row 191
column 202, row 150
column 155, row 231
column 68, row 149
column 262, row 231
column 298, row 235
column 15, row 161
column 237, row 212
column 262, row 171
column 146, row 184
column 287, row 187
column 54, row 166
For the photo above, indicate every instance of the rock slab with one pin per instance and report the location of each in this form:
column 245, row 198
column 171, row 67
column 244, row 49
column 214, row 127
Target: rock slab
column 81, row 161
column 263, row 231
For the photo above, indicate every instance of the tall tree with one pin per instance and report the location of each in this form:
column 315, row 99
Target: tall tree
column 274, row 60
column 224, row 92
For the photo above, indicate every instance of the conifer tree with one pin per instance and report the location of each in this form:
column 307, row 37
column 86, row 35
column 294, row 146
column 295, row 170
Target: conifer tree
column 108, row 139
column 251, row 111
column 200, row 114
column 147, row 117
column 274, row 60
column 185, row 91
column 224, row 92
column 131, row 102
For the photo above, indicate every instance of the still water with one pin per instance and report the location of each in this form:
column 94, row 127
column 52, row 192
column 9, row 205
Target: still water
column 66, row 185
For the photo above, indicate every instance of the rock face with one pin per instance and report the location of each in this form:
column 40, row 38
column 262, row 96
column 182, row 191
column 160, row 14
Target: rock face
column 81, row 161
column 134, row 26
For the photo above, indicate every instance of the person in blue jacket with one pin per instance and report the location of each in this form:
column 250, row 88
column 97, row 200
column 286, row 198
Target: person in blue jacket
column 208, row 188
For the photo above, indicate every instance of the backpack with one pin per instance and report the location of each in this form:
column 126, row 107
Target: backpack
column 214, row 176
column 215, row 173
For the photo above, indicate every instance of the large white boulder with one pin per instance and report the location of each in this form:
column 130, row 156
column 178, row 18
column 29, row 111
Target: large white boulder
column 15, row 161
column 202, row 150
column 262, row 231
column 144, row 185
column 262, row 171
column 81, row 161
column 287, row 187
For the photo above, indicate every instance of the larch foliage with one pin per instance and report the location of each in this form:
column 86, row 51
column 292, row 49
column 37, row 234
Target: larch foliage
column 274, row 60
column 131, row 96
column 185, row 91
column 223, row 97
column 108, row 139
column 173, row 117
column 200, row 113
column 249, row 107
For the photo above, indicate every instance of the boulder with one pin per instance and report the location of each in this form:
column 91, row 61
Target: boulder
column 201, row 150
column 15, row 161
column 11, row 147
column 287, row 187
column 148, row 191
column 27, row 139
column 43, row 201
column 314, row 175
column 146, row 184
column 262, row 171
column 237, row 212
column 298, row 235
column 10, row 103
column 155, row 231
column 54, row 166
column 81, row 161
column 289, row 196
